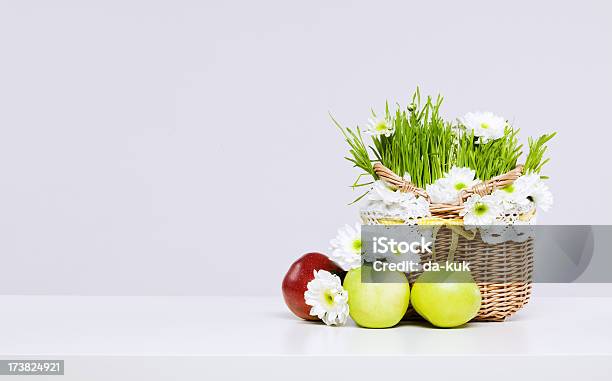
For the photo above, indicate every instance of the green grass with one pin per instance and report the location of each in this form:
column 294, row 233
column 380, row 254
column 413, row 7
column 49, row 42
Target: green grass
column 492, row 158
column 535, row 159
column 426, row 146
column 422, row 144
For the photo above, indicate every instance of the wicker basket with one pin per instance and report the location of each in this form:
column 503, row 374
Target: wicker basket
column 502, row 271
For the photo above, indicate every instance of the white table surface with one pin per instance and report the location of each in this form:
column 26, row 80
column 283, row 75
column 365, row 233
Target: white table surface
column 78, row 325
column 239, row 327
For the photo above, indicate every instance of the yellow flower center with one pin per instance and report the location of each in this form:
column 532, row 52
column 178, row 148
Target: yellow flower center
column 460, row 186
column 329, row 298
column 480, row 208
column 381, row 126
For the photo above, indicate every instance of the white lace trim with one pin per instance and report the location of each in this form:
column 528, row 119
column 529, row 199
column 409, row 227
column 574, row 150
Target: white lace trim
column 514, row 226
column 505, row 233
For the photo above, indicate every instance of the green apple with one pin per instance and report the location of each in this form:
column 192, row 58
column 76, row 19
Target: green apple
column 381, row 300
column 446, row 298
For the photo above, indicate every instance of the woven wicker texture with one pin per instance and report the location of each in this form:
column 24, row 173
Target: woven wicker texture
column 502, row 271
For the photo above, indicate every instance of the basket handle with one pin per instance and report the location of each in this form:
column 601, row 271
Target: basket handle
column 482, row 188
column 398, row 182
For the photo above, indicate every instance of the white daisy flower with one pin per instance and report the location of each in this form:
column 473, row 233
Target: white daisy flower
column 328, row 299
column 384, row 193
column 380, row 126
column 440, row 193
column 486, row 125
column 346, row 247
column 446, row 190
column 535, row 190
column 512, row 196
column 386, row 201
column 461, row 178
column 481, row 210
column 542, row 197
column 526, row 182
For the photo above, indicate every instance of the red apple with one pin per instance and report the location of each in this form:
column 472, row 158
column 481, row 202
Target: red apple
column 297, row 278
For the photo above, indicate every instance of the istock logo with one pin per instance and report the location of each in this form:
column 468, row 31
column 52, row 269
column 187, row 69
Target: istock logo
column 384, row 245
column 520, row 253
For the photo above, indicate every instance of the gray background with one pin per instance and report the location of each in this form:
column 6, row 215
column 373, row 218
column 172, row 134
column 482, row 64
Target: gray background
column 185, row 148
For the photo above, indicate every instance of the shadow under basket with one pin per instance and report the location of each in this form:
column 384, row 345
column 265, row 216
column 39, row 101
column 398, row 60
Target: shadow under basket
column 502, row 271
